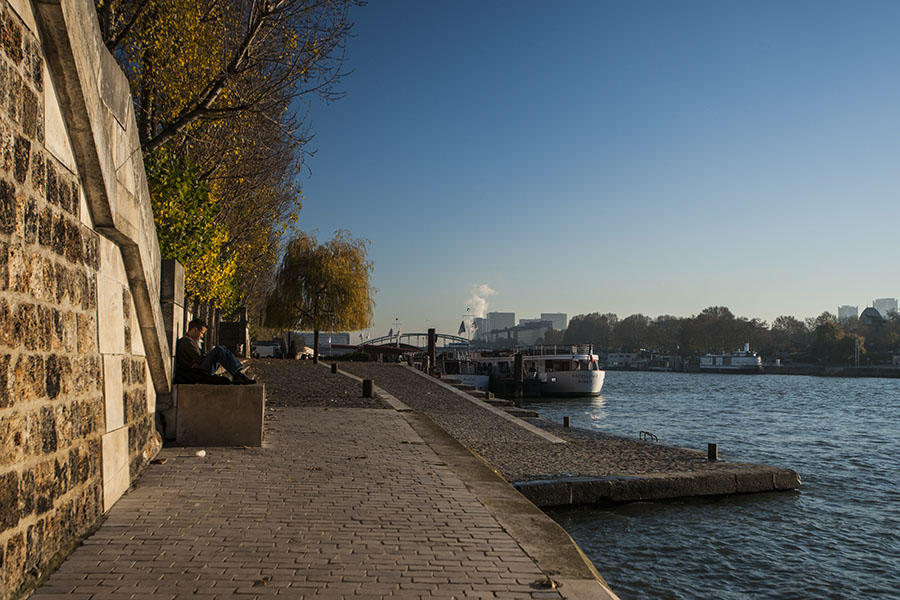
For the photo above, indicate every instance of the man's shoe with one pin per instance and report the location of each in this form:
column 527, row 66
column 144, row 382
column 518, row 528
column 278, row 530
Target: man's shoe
column 241, row 379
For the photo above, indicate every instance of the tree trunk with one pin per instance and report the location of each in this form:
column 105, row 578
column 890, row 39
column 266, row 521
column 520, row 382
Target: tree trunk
column 315, row 345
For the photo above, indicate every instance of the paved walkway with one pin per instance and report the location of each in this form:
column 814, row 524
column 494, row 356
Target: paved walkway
column 341, row 502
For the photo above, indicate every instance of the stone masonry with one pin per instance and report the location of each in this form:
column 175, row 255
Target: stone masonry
column 82, row 348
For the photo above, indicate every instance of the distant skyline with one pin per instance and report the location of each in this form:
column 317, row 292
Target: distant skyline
column 644, row 157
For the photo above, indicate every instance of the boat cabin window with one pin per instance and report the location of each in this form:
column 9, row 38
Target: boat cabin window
column 559, row 365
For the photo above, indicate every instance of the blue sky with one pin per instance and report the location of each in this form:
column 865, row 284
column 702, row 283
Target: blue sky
column 653, row 157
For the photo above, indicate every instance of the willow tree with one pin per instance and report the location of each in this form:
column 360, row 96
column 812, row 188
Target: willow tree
column 318, row 285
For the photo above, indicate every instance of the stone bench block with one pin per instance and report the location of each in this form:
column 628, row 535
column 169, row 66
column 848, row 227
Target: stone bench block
column 219, row 415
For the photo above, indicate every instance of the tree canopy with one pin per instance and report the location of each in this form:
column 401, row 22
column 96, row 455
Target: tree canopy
column 211, row 61
column 322, row 285
column 219, row 90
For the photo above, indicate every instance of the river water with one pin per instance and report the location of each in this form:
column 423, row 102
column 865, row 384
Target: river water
column 838, row 537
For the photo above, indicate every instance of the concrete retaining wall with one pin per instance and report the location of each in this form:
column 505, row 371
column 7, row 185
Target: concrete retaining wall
column 83, row 348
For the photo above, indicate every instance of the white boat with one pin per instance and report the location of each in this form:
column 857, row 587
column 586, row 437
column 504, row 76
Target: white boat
column 741, row 361
column 575, row 374
column 548, row 370
column 464, row 368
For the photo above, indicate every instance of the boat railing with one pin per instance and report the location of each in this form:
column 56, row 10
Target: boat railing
column 556, row 349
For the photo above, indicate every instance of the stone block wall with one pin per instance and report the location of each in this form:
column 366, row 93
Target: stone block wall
column 82, row 343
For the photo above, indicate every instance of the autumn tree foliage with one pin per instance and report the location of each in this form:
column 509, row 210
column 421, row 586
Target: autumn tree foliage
column 322, row 285
column 188, row 228
column 220, row 89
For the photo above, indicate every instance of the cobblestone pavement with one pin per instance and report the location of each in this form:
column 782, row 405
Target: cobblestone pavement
column 302, row 383
column 339, row 503
column 520, row 455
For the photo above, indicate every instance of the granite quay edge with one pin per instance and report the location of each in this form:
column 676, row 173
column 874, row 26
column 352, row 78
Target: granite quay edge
column 618, row 489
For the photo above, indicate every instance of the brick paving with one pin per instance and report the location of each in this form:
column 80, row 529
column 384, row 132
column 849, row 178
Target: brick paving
column 339, row 503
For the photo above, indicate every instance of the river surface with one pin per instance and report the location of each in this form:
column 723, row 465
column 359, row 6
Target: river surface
column 838, row 537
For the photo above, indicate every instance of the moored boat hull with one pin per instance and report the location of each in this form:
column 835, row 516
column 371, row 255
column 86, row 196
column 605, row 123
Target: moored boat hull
column 573, row 383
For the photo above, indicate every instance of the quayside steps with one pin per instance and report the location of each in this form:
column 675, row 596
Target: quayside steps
column 459, row 384
column 482, row 395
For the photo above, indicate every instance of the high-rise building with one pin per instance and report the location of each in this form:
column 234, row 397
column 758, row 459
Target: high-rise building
column 847, row 312
column 481, row 328
column 560, row 320
column 885, row 306
column 501, row 320
column 527, row 334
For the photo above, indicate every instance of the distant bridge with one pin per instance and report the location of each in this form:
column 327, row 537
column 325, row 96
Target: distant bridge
column 419, row 340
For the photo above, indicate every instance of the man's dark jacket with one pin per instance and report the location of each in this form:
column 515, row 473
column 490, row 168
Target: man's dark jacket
column 187, row 365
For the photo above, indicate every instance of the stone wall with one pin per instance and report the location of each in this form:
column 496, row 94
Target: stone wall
column 83, row 351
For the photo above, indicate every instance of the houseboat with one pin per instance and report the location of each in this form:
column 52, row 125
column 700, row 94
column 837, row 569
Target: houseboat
column 741, row 361
column 547, row 370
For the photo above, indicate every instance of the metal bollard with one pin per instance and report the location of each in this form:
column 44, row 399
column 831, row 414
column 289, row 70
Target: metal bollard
column 712, row 452
column 334, row 367
column 565, row 421
column 368, row 388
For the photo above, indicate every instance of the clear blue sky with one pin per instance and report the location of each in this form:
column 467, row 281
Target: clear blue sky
column 653, row 157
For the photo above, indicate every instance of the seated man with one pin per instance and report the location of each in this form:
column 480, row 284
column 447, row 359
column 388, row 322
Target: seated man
column 192, row 366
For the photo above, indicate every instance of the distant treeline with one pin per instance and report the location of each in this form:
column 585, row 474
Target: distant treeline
column 821, row 339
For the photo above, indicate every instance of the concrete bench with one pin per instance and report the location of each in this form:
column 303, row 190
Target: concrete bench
column 219, row 415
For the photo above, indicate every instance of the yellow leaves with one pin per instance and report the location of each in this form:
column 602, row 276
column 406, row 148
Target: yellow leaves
column 176, row 51
column 179, row 52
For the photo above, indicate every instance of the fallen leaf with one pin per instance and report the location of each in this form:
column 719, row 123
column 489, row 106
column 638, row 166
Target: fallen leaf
column 545, row 584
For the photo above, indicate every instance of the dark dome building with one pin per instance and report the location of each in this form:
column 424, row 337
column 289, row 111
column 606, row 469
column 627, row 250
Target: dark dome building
column 870, row 317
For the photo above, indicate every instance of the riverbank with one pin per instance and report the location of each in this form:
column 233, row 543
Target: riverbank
column 346, row 498
column 554, row 466
column 886, row 372
column 882, row 371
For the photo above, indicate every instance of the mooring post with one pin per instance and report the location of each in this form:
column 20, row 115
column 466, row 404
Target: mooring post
column 368, row 388
column 565, row 421
column 712, row 452
column 519, row 372
column 432, row 343
column 334, row 367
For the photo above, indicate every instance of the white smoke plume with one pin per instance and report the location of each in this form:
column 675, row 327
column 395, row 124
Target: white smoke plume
column 478, row 302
